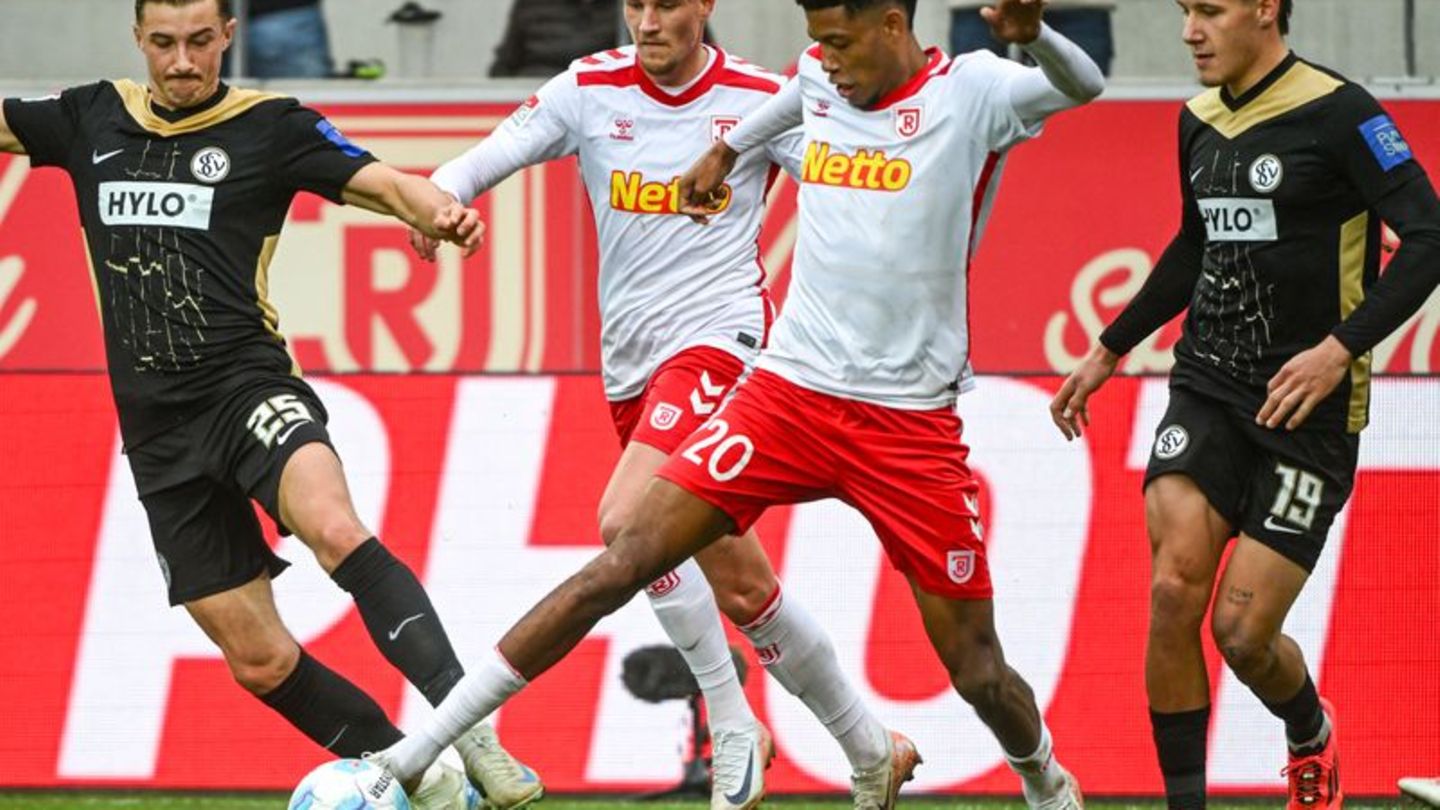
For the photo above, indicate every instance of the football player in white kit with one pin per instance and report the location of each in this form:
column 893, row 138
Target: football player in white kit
column 854, row 397
column 683, row 315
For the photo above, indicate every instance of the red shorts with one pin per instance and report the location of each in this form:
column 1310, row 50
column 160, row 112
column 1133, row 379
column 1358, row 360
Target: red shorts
column 777, row 443
column 678, row 398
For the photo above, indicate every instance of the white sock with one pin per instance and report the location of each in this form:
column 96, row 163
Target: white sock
column 685, row 605
column 795, row 650
column 1040, row 773
column 474, row 698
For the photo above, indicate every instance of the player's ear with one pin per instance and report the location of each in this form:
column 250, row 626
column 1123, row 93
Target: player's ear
column 228, row 27
column 139, row 42
column 894, row 22
column 1268, row 12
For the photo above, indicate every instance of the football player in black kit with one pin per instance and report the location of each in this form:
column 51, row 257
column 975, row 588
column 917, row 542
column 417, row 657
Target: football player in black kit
column 1287, row 171
column 183, row 187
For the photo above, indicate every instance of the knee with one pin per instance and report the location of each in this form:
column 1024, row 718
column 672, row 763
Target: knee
column 613, row 518
column 743, row 598
column 261, row 667
column 1248, row 653
column 1177, row 602
column 334, row 538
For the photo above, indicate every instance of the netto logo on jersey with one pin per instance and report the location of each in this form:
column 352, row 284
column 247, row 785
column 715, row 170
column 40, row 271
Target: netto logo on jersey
column 872, row 171
column 1239, row 219
column 169, row 205
column 630, row 191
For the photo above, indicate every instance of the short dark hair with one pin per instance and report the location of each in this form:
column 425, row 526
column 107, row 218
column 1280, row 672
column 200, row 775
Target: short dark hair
column 854, row 6
column 226, row 12
column 1286, row 6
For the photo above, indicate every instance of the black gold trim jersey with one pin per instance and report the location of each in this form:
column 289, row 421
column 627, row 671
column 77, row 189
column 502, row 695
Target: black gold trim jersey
column 1280, row 186
column 181, row 215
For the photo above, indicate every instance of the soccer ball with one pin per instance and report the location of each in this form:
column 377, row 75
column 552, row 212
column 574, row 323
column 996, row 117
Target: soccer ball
column 348, row 784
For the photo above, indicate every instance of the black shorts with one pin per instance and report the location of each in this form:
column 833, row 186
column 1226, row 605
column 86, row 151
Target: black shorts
column 197, row 482
column 1282, row 488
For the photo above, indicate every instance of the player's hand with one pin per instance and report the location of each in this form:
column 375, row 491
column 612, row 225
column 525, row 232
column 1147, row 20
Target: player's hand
column 461, row 226
column 1070, row 408
column 1301, row 384
column 1015, row 21
column 423, row 245
column 702, row 187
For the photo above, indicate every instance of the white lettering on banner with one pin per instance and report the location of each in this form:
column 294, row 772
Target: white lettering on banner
column 170, row 205
column 1424, row 326
column 1036, row 540
column 1085, row 293
column 131, row 639
column 12, row 268
column 1239, row 219
column 484, row 575
column 1247, row 743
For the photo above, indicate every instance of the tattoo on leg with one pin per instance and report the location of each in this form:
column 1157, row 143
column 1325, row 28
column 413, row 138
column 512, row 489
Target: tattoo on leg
column 1239, row 596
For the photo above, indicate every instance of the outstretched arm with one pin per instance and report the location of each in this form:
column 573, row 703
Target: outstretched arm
column 783, row 112
column 418, row 203
column 1067, row 78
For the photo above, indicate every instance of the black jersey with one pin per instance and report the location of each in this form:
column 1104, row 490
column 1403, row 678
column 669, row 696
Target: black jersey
column 1280, row 186
column 181, row 214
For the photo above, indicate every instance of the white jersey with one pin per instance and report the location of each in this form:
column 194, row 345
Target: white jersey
column 893, row 200
column 666, row 284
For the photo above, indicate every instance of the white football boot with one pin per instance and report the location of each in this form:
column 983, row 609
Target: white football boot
column 739, row 760
column 505, row 782
column 878, row 788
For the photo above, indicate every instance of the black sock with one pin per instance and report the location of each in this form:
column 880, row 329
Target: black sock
column 1180, row 742
column 331, row 710
column 400, row 618
column 1302, row 715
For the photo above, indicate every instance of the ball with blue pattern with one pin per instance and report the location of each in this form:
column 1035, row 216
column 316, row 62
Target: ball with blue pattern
column 348, row 784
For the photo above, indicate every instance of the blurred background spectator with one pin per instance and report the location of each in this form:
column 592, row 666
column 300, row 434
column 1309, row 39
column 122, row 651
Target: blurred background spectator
column 543, row 37
column 1086, row 22
column 287, row 39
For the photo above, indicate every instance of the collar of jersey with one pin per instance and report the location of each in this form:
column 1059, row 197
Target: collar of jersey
column 698, row 89
column 913, row 85
column 136, row 99
column 1234, row 103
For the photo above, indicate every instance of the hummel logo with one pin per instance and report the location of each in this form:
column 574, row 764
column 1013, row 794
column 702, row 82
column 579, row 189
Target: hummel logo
column 1273, row 526
column 698, row 403
column 96, row 158
column 394, row 634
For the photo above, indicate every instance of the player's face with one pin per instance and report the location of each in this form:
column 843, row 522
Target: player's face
column 183, row 46
column 667, row 36
column 1226, row 37
column 861, row 51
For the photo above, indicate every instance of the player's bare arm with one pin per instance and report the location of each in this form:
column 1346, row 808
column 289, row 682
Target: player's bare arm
column 1070, row 408
column 8, row 141
column 1015, row 21
column 418, row 203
